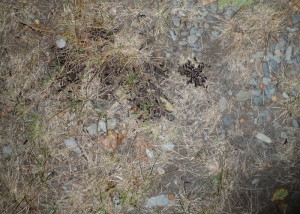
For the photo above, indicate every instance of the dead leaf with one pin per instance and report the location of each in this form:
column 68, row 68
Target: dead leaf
column 141, row 146
column 112, row 141
column 169, row 107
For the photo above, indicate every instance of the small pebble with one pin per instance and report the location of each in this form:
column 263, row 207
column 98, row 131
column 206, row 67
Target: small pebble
column 160, row 171
column 60, row 43
column 274, row 99
column 71, row 143
column 253, row 82
column 176, row 21
column 263, row 137
column 92, row 129
column 168, row 146
column 193, row 31
column 267, row 80
column 157, row 201
column 192, row 39
column 265, row 68
column 243, row 95
column 277, row 59
column 102, row 126
column 184, row 33
column 173, row 35
column 285, row 95
column 227, row 121
column 199, row 32
column 284, row 134
column 255, row 93
column 196, row 47
column 6, row 151
column 255, row 181
column 223, row 104
column 170, row 117
column 149, row 153
column 295, row 123
column 182, row 43
column 288, row 54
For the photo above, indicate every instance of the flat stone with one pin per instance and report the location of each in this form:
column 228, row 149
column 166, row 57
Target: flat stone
column 243, row 95
column 196, row 47
column 288, row 54
column 277, row 59
column 284, row 134
column 7, row 151
column 182, row 43
column 176, row 21
column 265, row 68
column 285, row 95
column 193, row 31
column 262, row 137
column 273, row 66
column 92, row 129
column 173, row 35
column 112, row 123
column 168, row 146
column 253, row 82
column 295, row 123
column 223, row 103
column 256, row 93
column 199, row 32
column 71, row 143
column 255, row 181
column 102, row 126
column 157, row 201
column 184, row 33
column 227, row 121
column 266, row 80
column 60, row 43
column 192, row 39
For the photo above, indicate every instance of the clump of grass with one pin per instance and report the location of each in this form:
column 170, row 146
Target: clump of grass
column 250, row 30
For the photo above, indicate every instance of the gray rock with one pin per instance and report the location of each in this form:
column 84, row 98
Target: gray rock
column 199, row 32
column 112, row 123
column 267, row 93
column 292, row 30
column 210, row 19
column 170, row 117
column 190, row 4
column 255, row 181
column 182, row 43
column 259, row 101
column 193, row 31
column 157, row 201
column 266, row 80
column 160, row 170
column 256, row 92
column 266, row 69
column 215, row 34
column 196, row 47
column 262, row 137
column 229, row 12
column 273, row 65
column 227, row 121
column 288, row 54
column 295, row 123
column 253, row 82
column 281, row 44
column 285, row 95
column 92, row 129
column 298, row 58
column 102, row 126
column 176, row 21
column 284, row 134
column 192, row 39
column 173, row 35
column 168, row 146
column 184, row 33
column 71, row 143
column 277, row 59
column 6, row 151
column 243, row 95
column 223, row 103
column 206, row 25
column 60, row 42
column 295, row 17
column 150, row 154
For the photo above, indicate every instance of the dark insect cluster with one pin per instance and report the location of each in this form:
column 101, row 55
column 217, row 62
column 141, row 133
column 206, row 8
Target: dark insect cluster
column 194, row 73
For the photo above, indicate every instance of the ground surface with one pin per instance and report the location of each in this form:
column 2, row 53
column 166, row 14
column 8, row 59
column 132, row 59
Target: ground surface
column 106, row 124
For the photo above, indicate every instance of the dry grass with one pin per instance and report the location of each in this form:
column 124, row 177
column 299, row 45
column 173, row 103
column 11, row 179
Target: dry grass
column 49, row 94
column 248, row 31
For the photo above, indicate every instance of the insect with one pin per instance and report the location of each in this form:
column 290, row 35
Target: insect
column 195, row 73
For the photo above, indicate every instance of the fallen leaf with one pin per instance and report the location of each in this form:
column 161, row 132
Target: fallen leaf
column 169, row 107
column 279, row 195
column 112, row 141
column 141, row 147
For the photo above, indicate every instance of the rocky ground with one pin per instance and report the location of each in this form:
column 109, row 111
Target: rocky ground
column 224, row 148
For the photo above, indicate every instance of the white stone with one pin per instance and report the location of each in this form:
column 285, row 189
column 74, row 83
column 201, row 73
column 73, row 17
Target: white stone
column 263, row 137
column 168, row 146
column 102, row 126
column 61, row 42
column 157, row 201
